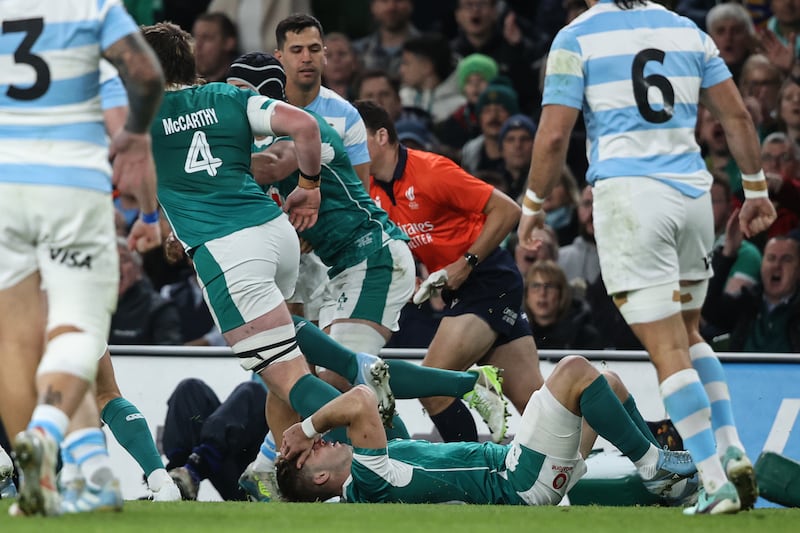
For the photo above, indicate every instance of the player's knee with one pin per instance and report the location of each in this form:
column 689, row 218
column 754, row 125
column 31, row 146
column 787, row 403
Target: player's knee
column 650, row 303
column 575, row 367
column 277, row 345
column 73, row 352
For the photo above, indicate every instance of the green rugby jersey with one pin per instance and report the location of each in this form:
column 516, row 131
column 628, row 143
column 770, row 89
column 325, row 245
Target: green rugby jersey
column 424, row 472
column 350, row 226
column 201, row 145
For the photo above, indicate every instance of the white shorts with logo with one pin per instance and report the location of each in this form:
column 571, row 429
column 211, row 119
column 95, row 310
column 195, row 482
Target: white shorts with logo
column 248, row 273
column 650, row 234
column 67, row 235
column 376, row 289
column 544, row 461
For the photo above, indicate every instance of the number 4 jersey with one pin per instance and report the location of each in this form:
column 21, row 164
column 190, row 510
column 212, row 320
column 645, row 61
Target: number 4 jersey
column 636, row 74
column 201, row 145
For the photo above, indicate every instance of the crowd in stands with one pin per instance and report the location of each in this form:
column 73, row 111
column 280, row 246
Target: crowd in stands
column 462, row 78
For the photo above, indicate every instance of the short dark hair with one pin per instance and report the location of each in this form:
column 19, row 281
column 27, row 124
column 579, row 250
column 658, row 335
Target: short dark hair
column 373, row 73
column 436, row 49
column 173, row 47
column 375, row 117
column 295, row 484
column 296, row 23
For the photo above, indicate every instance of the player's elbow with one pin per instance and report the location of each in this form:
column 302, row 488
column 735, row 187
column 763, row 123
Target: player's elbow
column 363, row 397
column 306, row 130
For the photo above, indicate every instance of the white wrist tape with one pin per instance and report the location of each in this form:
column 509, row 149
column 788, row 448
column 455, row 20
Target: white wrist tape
column 533, row 197
column 531, row 204
column 308, row 428
column 755, row 185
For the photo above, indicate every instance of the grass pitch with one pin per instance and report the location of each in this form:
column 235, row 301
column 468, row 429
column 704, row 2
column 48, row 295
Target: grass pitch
column 200, row 517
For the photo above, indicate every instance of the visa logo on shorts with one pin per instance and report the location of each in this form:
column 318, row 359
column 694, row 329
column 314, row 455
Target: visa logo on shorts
column 71, row 258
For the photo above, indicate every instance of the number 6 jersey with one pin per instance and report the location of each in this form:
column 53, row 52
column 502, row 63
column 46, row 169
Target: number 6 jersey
column 636, row 75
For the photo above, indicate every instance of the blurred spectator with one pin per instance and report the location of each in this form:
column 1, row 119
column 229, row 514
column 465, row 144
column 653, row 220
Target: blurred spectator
column 732, row 30
column 256, row 20
column 516, row 148
column 558, row 319
column 785, row 22
column 765, row 317
column 718, row 158
column 474, row 73
column 579, row 260
column 560, row 208
column 762, row 80
column 524, row 258
column 383, row 49
column 745, row 271
column 779, row 156
column 142, row 315
column 495, row 105
column 480, row 31
column 427, row 76
column 383, row 89
column 789, row 109
column 216, row 44
column 341, row 67
column 414, row 134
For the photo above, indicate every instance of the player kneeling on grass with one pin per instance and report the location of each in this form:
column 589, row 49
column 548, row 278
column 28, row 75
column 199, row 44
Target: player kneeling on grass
column 537, row 468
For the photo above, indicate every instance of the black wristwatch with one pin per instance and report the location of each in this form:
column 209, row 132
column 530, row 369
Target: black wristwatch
column 472, row 259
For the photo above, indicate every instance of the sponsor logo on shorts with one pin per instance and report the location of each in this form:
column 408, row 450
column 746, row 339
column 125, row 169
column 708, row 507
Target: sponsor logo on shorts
column 341, row 300
column 71, row 258
column 364, row 240
column 562, row 476
column 510, row 316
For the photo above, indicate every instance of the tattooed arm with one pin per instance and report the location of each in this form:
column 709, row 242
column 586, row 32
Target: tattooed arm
column 130, row 152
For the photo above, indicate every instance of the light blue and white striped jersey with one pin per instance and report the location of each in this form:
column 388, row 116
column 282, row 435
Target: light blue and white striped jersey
column 51, row 123
column 344, row 118
column 112, row 90
column 636, row 74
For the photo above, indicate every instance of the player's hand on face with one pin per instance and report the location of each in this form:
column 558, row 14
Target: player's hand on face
column 144, row 237
column 302, row 206
column 756, row 215
column 296, row 444
column 528, row 223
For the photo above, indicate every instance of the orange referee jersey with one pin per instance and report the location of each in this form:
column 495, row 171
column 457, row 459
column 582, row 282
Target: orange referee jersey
column 436, row 203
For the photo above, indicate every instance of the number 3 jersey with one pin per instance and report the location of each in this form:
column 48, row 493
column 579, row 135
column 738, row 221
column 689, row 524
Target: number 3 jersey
column 636, row 74
column 201, row 145
column 51, row 122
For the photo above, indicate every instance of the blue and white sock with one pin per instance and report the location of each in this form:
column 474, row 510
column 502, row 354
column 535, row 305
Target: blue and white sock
column 712, row 376
column 267, row 454
column 690, row 411
column 88, row 448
